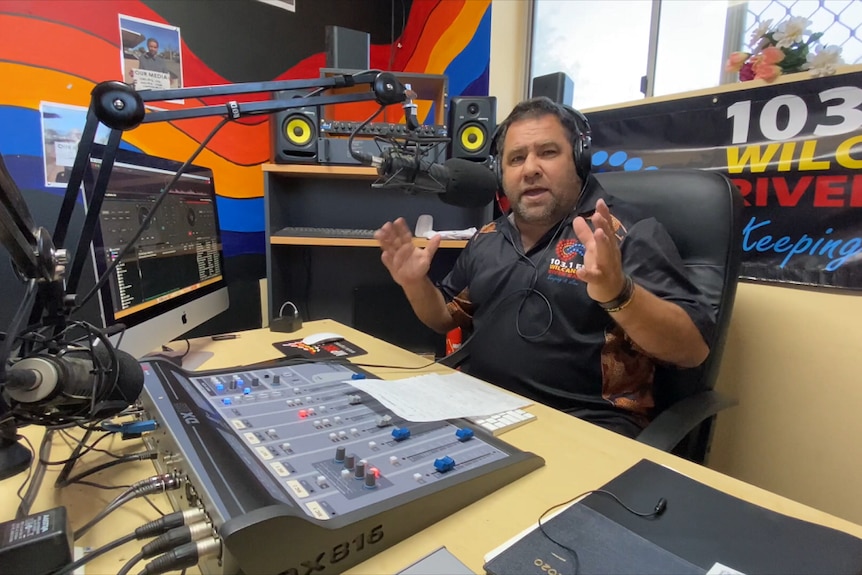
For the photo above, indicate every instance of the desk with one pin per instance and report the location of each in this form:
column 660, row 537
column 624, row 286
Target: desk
column 579, row 456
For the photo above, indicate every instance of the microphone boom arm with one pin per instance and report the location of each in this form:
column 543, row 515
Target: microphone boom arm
column 119, row 107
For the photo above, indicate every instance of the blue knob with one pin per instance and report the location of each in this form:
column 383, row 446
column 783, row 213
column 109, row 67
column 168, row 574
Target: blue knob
column 226, row 401
column 219, row 387
column 357, row 376
column 246, row 390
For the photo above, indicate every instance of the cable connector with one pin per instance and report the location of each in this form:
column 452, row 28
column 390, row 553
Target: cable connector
column 176, row 537
column 154, row 484
column 170, row 521
column 183, row 557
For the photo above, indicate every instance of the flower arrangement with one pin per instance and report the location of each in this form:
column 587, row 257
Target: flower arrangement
column 784, row 50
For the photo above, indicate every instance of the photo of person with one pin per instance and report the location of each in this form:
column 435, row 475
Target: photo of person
column 151, row 55
column 62, row 128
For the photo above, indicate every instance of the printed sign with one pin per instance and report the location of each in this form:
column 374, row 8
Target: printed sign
column 795, row 152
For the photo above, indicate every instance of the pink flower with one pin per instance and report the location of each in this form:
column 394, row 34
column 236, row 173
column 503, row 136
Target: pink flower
column 736, row 61
column 767, row 72
column 746, row 72
column 771, row 55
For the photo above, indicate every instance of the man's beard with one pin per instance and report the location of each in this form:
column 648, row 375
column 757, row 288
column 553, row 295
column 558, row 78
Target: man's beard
column 547, row 214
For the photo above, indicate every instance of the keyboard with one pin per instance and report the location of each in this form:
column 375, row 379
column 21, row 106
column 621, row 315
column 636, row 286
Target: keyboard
column 500, row 423
column 310, row 232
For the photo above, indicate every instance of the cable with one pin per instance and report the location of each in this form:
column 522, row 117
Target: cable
column 658, row 510
column 186, row 555
column 131, row 563
column 34, row 479
column 362, row 157
column 123, row 459
column 145, row 531
column 144, row 487
column 71, row 567
column 176, row 537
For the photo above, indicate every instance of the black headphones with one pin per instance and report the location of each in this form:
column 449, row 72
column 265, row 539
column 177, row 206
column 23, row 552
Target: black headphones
column 581, row 146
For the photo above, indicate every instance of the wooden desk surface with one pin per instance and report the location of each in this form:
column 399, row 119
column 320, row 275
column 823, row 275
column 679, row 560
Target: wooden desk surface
column 579, row 456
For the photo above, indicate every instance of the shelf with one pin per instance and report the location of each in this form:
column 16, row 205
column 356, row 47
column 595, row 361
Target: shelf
column 316, row 170
column 352, row 242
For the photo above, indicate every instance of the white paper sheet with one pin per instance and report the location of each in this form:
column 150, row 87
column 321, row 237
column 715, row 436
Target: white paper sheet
column 435, row 397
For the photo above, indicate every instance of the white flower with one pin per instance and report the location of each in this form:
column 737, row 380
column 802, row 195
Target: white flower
column 824, row 62
column 791, row 31
column 758, row 33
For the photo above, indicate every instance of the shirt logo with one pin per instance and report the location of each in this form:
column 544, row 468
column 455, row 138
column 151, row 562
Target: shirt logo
column 567, row 260
column 568, row 249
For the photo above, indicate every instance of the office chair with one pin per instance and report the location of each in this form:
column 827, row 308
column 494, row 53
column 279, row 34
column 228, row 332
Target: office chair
column 702, row 212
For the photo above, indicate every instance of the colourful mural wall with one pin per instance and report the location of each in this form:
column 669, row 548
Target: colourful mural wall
column 56, row 51
column 53, row 53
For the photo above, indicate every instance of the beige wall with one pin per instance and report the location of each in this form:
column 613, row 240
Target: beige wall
column 791, row 357
column 791, row 360
column 509, row 37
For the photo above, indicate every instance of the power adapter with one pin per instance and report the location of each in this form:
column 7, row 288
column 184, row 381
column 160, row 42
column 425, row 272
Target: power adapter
column 37, row 544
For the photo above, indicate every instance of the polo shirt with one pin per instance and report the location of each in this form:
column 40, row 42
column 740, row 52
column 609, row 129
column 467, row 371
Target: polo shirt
column 536, row 331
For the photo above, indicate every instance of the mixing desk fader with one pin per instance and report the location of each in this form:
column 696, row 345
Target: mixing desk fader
column 303, row 473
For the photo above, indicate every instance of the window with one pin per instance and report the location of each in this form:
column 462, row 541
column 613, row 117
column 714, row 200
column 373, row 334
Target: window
column 620, row 51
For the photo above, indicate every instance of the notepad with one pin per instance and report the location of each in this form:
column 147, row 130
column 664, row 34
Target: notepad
column 703, row 530
column 436, row 397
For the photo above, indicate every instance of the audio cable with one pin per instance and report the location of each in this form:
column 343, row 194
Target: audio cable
column 151, row 529
column 168, row 541
column 657, row 511
column 182, row 557
column 147, row 486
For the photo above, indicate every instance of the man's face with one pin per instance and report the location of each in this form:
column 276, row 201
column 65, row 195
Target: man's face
column 539, row 175
column 152, row 48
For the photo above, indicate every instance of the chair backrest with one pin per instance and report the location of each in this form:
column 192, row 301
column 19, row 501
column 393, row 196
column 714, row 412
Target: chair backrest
column 702, row 212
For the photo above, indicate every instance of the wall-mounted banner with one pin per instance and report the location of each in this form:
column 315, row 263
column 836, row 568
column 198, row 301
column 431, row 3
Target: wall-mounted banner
column 793, row 149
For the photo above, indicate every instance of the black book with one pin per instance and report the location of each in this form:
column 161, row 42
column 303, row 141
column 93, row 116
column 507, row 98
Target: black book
column 702, row 530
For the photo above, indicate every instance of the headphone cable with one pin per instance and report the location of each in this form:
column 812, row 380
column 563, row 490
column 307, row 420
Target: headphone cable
column 658, row 511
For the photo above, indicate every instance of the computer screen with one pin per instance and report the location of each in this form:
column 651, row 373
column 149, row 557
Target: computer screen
column 172, row 280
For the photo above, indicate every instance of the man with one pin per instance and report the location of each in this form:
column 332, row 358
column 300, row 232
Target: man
column 151, row 60
column 569, row 303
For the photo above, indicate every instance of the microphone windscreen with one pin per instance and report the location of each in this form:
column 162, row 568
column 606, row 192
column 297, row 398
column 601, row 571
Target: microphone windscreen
column 469, row 184
column 130, row 375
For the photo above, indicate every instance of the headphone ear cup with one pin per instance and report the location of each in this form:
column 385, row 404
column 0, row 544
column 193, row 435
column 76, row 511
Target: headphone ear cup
column 494, row 160
column 582, row 147
column 498, row 172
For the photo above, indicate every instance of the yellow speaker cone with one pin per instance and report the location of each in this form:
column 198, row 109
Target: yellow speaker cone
column 298, row 130
column 472, row 138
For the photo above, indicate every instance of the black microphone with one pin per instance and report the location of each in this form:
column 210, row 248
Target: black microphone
column 458, row 182
column 79, row 382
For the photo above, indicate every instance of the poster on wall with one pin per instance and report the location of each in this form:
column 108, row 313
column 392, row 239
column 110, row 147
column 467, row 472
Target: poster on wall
column 795, row 152
column 151, row 56
column 62, row 127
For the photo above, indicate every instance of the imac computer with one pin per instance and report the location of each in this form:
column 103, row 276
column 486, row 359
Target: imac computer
column 172, row 280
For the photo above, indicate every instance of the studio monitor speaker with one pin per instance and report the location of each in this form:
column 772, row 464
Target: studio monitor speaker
column 557, row 86
column 472, row 121
column 294, row 132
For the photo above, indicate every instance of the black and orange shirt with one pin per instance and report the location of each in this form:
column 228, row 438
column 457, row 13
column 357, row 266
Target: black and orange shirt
column 535, row 329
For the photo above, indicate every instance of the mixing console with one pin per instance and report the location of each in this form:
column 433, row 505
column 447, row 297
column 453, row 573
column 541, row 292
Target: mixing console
column 299, row 470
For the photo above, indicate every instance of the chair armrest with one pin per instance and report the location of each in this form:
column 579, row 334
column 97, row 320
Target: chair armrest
column 675, row 422
column 456, row 358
